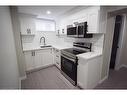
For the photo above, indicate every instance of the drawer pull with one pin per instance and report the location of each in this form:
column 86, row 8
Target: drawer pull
column 57, row 56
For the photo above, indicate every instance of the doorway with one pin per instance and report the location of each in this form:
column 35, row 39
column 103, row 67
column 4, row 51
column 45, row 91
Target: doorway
column 115, row 46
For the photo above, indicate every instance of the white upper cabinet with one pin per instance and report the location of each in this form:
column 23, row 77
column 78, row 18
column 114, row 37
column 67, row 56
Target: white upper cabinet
column 61, row 27
column 90, row 15
column 27, row 24
column 93, row 21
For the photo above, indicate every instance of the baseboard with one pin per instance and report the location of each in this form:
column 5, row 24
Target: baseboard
column 20, row 79
column 19, row 83
column 23, row 78
column 121, row 66
column 57, row 66
column 102, row 80
column 118, row 67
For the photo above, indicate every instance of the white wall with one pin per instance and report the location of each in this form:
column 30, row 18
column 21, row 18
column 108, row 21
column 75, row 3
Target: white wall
column 123, row 57
column 17, row 38
column 9, row 74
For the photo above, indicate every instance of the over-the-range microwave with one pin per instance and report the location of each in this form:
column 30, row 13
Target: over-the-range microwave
column 79, row 31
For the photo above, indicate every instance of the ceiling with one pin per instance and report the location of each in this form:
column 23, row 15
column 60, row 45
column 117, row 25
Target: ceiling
column 40, row 11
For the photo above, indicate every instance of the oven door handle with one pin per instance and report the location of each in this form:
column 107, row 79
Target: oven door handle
column 73, row 60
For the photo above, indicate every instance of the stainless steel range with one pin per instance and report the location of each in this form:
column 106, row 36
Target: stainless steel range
column 69, row 60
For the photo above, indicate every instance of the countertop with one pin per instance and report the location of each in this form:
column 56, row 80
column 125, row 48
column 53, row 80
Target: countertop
column 89, row 55
column 35, row 48
column 59, row 47
column 86, row 56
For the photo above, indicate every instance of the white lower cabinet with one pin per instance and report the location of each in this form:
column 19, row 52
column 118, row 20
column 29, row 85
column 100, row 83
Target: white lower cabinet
column 57, row 58
column 29, row 60
column 48, row 57
column 89, row 72
column 38, row 58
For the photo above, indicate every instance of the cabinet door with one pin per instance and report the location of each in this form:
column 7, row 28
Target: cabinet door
column 23, row 25
column 93, row 18
column 82, row 71
column 31, row 25
column 43, row 58
column 29, row 60
column 27, row 24
column 48, row 57
column 94, row 72
column 39, row 59
column 63, row 26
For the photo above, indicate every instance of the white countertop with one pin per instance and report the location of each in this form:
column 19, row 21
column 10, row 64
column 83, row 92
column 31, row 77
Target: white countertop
column 59, row 47
column 35, row 48
column 86, row 56
column 89, row 55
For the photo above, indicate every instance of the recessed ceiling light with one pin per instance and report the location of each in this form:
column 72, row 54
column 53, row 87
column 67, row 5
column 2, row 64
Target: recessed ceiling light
column 48, row 12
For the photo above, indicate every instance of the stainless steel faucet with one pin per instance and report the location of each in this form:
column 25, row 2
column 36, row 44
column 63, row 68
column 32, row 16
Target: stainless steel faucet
column 43, row 40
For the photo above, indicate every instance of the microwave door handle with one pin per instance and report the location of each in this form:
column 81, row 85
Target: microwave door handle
column 69, row 58
column 77, row 32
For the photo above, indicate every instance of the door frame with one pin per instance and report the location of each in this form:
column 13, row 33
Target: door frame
column 118, row 65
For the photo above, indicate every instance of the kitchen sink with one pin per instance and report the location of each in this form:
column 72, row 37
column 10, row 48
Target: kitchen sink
column 44, row 46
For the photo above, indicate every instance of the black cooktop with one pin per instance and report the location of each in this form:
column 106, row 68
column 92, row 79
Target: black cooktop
column 75, row 51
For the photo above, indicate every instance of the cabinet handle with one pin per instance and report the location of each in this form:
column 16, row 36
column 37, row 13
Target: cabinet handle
column 57, row 56
column 51, row 51
column 32, row 53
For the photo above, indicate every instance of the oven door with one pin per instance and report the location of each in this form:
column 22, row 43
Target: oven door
column 69, row 67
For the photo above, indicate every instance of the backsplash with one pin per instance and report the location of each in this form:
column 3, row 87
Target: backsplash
column 52, row 39
column 97, row 41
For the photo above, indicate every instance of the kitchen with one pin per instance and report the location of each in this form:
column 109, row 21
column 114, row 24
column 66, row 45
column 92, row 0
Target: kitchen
column 62, row 47
column 48, row 37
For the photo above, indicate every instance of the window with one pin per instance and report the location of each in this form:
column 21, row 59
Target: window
column 45, row 25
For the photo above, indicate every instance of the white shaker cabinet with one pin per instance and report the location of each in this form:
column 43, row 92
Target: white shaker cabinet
column 57, row 57
column 43, row 58
column 38, row 59
column 27, row 24
column 62, row 27
column 29, row 59
column 47, row 57
column 89, row 72
column 93, row 21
